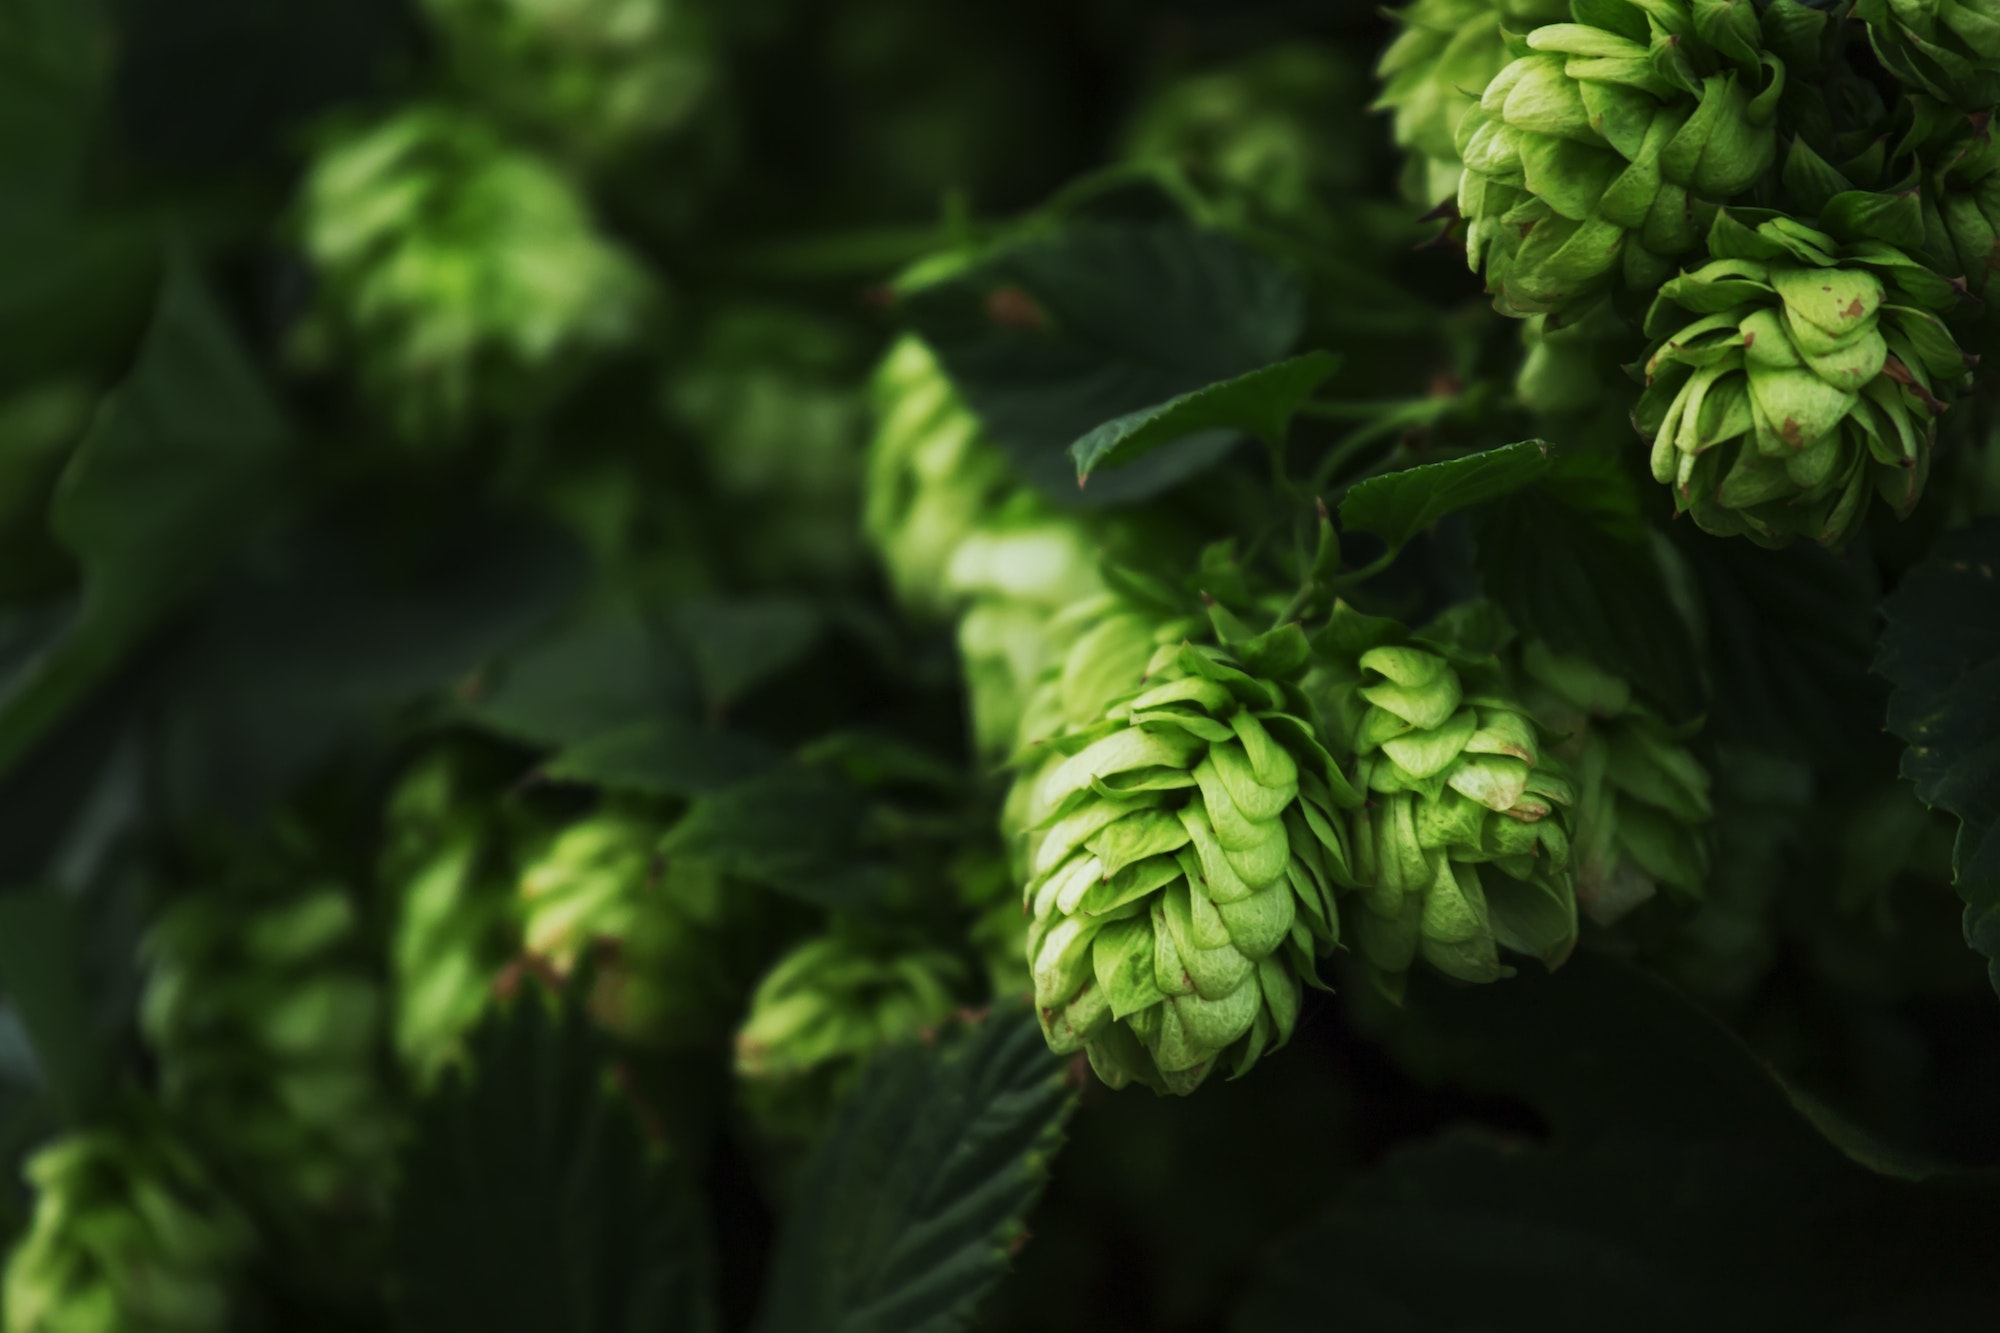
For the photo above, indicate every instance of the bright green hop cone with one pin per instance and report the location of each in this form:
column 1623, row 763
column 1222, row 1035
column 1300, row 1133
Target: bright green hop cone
column 262, row 1006
column 1432, row 74
column 456, row 270
column 671, row 941
column 1792, row 377
column 1183, row 849
column 1642, row 799
column 597, row 77
column 824, row 1009
column 1463, row 849
column 1947, row 48
column 129, row 1235
column 1595, row 156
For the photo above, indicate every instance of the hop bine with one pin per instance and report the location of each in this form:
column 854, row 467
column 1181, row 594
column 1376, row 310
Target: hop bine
column 1598, row 154
column 1182, row 848
column 1794, row 375
column 1463, row 848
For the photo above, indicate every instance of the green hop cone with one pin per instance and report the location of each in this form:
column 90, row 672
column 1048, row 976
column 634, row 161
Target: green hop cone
column 129, row 1235
column 1643, row 801
column 1961, row 200
column 597, row 77
column 1791, row 377
column 673, row 941
column 1947, row 48
column 1463, row 848
column 263, row 1009
column 1182, row 851
column 1597, row 154
column 1431, row 75
column 459, row 272
column 447, row 869
column 827, row 1006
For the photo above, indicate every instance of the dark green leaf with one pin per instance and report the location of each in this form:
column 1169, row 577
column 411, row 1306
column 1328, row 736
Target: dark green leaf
column 800, row 832
column 531, row 1200
column 1942, row 653
column 739, row 645
column 662, row 757
column 1260, row 403
column 1400, row 505
column 605, row 671
column 1051, row 335
column 183, row 463
column 922, row 1186
column 43, row 979
column 1572, row 562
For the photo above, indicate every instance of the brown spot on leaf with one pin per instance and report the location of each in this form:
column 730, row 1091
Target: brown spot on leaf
column 1792, row 433
column 1854, row 310
column 1012, row 308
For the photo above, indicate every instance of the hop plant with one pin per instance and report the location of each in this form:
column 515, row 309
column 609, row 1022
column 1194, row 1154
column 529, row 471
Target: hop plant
column 267, row 1021
column 1598, row 154
column 1948, row 48
column 1183, row 850
column 1961, row 202
column 1463, row 848
column 827, row 1006
column 597, row 76
column 673, row 940
column 459, row 271
column 129, row 1235
column 1642, row 799
column 1432, row 75
column 1792, row 375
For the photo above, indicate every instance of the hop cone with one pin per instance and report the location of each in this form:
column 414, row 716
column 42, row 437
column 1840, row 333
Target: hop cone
column 1463, row 848
column 674, row 941
column 1948, row 48
column 825, row 1008
column 457, row 270
column 1183, row 852
column 597, row 76
column 1793, row 376
column 447, row 867
column 1962, row 218
column 1433, row 72
column 129, row 1235
column 1596, row 155
column 1642, row 799
column 268, row 1024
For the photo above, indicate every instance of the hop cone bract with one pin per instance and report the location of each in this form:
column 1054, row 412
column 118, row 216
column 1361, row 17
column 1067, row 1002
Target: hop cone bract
column 1182, row 854
column 1793, row 375
column 1948, row 48
column 129, row 1235
column 1642, row 799
column 1463, row 848
column 1596, row 155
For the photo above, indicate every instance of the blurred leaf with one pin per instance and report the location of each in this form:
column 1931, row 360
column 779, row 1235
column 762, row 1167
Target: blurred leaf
column 320, row 636
column 42, row 977
column 1942, row 652
column 1398, row 506
column 1260, row 403
column 1788, row 642
column 1633, row 1233
column 183, row 463
column 739, row 645
column 530, row 1199
column 922, row 1186
column 609, row 669
column 1571, row 561
column 800, row 832
column 662, row 757
column 1052, row 335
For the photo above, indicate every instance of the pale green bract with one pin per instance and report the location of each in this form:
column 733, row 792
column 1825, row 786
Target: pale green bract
column 1181, row 848
column 1793, row 376
column 1433, row 72
column 129, row 1235
column 1596, row 156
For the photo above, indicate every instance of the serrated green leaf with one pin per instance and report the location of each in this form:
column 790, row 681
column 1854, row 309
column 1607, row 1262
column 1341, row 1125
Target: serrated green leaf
column 530, row 1198
column 1050, row 335
column 794, row 830
column 1400, row 505
column 661, row 757
column 42, row 979
column 911, row 1206
column 1941, row 651
column 1572, row 562
column 1260, row 403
